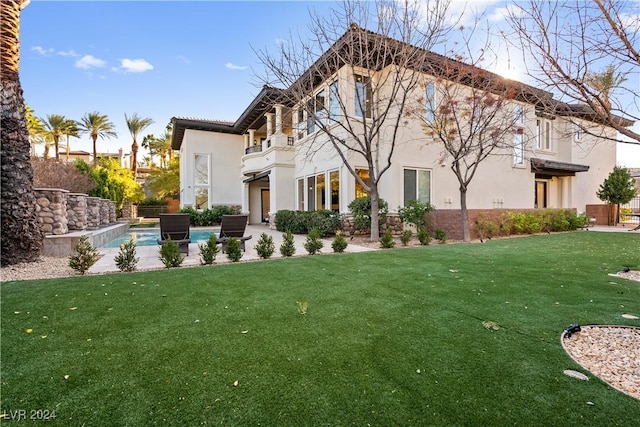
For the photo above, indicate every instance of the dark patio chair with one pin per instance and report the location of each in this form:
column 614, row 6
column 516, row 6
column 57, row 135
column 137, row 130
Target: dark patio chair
column 233, row 226
column 176, row 228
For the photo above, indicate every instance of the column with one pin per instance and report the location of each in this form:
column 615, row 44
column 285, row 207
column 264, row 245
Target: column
column 246, row 141
column 269, row 117
column 252, row 141
column 278, row 108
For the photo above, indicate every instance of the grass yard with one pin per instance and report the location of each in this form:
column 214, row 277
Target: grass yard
column 390, row 338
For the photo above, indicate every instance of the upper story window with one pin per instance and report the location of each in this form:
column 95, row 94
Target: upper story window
column 578, row 132
column 518, row 135
column 299, row 123
column 430, row 102
column 543, row 134
column 334, row 101
column 363, row 95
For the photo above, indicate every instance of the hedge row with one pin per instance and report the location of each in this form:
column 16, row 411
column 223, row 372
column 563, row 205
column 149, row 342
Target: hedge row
column 547, row 220
column 209, row 217
column 300, row 222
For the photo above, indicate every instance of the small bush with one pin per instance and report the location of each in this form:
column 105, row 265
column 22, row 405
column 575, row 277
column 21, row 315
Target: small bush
column 85, row 255
column 233, row 250
column 265, row 246
column 405, row 237
column 313, row 244
column 440, row 235
column 386, row 241
column 360, row 209
column 415, row 213
column 423, row 236
column 486, row 228
column 288, row 247
column 339, row 243
column 170, row 254
column 53, row 173
column 209, row 250
column 126, row 259
column 208, row 217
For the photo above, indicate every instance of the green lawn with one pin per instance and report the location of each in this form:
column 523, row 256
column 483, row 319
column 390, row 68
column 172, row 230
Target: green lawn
column 390, row 338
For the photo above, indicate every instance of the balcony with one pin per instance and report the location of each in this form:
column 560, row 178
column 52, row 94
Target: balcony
column 276, row 150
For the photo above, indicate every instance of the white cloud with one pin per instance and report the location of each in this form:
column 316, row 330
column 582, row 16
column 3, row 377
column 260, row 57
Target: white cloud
column 183, row 59
column 500, row 13
column 90, row 61
column 279, row 41
column 630, row 22
column 135, row 65
column 70, row 52
column 42, row 51
column 231, row 66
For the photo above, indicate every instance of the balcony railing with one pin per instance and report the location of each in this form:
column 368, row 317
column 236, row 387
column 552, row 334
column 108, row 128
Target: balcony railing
column 253, row 149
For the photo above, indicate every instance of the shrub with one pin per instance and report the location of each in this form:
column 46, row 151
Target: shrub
column 577, row 221
column 360, row 209
column 423, row 236
column 485, row 228
column 170, row 254
column 440, row 235
column 415, row 213
column 152, row 201
column 53, row 173
column 405, row 237
column 339, row 243
column 233, row 251
column 265, row 246
column 85, row 255
column 209, row 250
column 386, row 241
column 313, row 244
column 288, row 247
column 126, row 259
column 301, row 222
column 207, row 217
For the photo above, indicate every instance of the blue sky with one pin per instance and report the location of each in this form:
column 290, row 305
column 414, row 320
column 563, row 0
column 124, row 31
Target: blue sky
column 160, row 58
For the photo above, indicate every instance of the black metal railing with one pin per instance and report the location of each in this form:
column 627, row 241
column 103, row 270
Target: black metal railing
column 253, row 149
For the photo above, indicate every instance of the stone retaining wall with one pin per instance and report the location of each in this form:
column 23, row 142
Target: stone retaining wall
column 60, row 212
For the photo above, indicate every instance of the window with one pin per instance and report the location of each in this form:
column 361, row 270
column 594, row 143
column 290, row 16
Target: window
column 363, row 97
column 518, row 147
column 334, row 101
column 540, row 196
column 364, row 175
column 334, row 180
column 430, row 102
column 543, row 134
column 417, row 185
column 518, row 115
column 316, row 112
column 300, row 124
column 321, row 197
column 578, row 132
column 201, row 180
column 311, row 188
column 301, row 194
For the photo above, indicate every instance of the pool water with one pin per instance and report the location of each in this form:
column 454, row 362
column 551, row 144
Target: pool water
column 149, row 237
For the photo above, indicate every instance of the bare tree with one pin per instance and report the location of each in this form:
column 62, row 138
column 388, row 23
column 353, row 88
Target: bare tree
column 585, row 51
column 360, row 122
column 473, row 115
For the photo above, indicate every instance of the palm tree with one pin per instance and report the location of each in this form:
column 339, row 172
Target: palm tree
column 96, row 125
column 21, row 233
column 136, row 125
column 55, row 125
column 35, row 129
column 603, row 83
column 70, row 130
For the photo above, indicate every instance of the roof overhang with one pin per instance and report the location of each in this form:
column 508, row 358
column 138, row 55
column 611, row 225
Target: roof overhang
column 257, row 176
column 551, row 168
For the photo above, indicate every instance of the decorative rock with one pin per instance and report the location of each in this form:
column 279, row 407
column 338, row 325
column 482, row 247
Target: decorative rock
column 576, row 374
column 629, row 316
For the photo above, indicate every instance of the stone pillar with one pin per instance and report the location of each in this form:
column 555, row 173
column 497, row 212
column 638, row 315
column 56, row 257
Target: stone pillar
column 278, row 118
column 104, row 212
column 52, row 210
column 93, row 213
column 269, row 117
column 129, row 211
column 77, row 211
column 112, row 212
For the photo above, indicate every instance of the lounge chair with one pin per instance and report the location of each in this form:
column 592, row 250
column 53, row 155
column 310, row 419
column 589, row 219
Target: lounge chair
column 233, row 226
column 176, row 228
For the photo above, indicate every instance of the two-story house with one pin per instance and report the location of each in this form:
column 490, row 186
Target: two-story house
column 275, row 155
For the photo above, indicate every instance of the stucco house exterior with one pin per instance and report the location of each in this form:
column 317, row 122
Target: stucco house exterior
column 262, row 160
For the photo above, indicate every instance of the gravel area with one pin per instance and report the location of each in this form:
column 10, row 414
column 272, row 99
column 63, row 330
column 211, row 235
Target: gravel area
column 611, row 353
column 45, row 268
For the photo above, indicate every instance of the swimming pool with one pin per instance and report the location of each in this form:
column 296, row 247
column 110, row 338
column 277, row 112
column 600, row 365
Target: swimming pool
column 149, row 237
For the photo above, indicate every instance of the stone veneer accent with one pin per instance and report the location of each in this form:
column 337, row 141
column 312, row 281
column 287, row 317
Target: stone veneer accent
column 77, row 211
column 93, row 213
column 129, row 211
column 51, row 207
column 112, row 212
column 104, row 212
